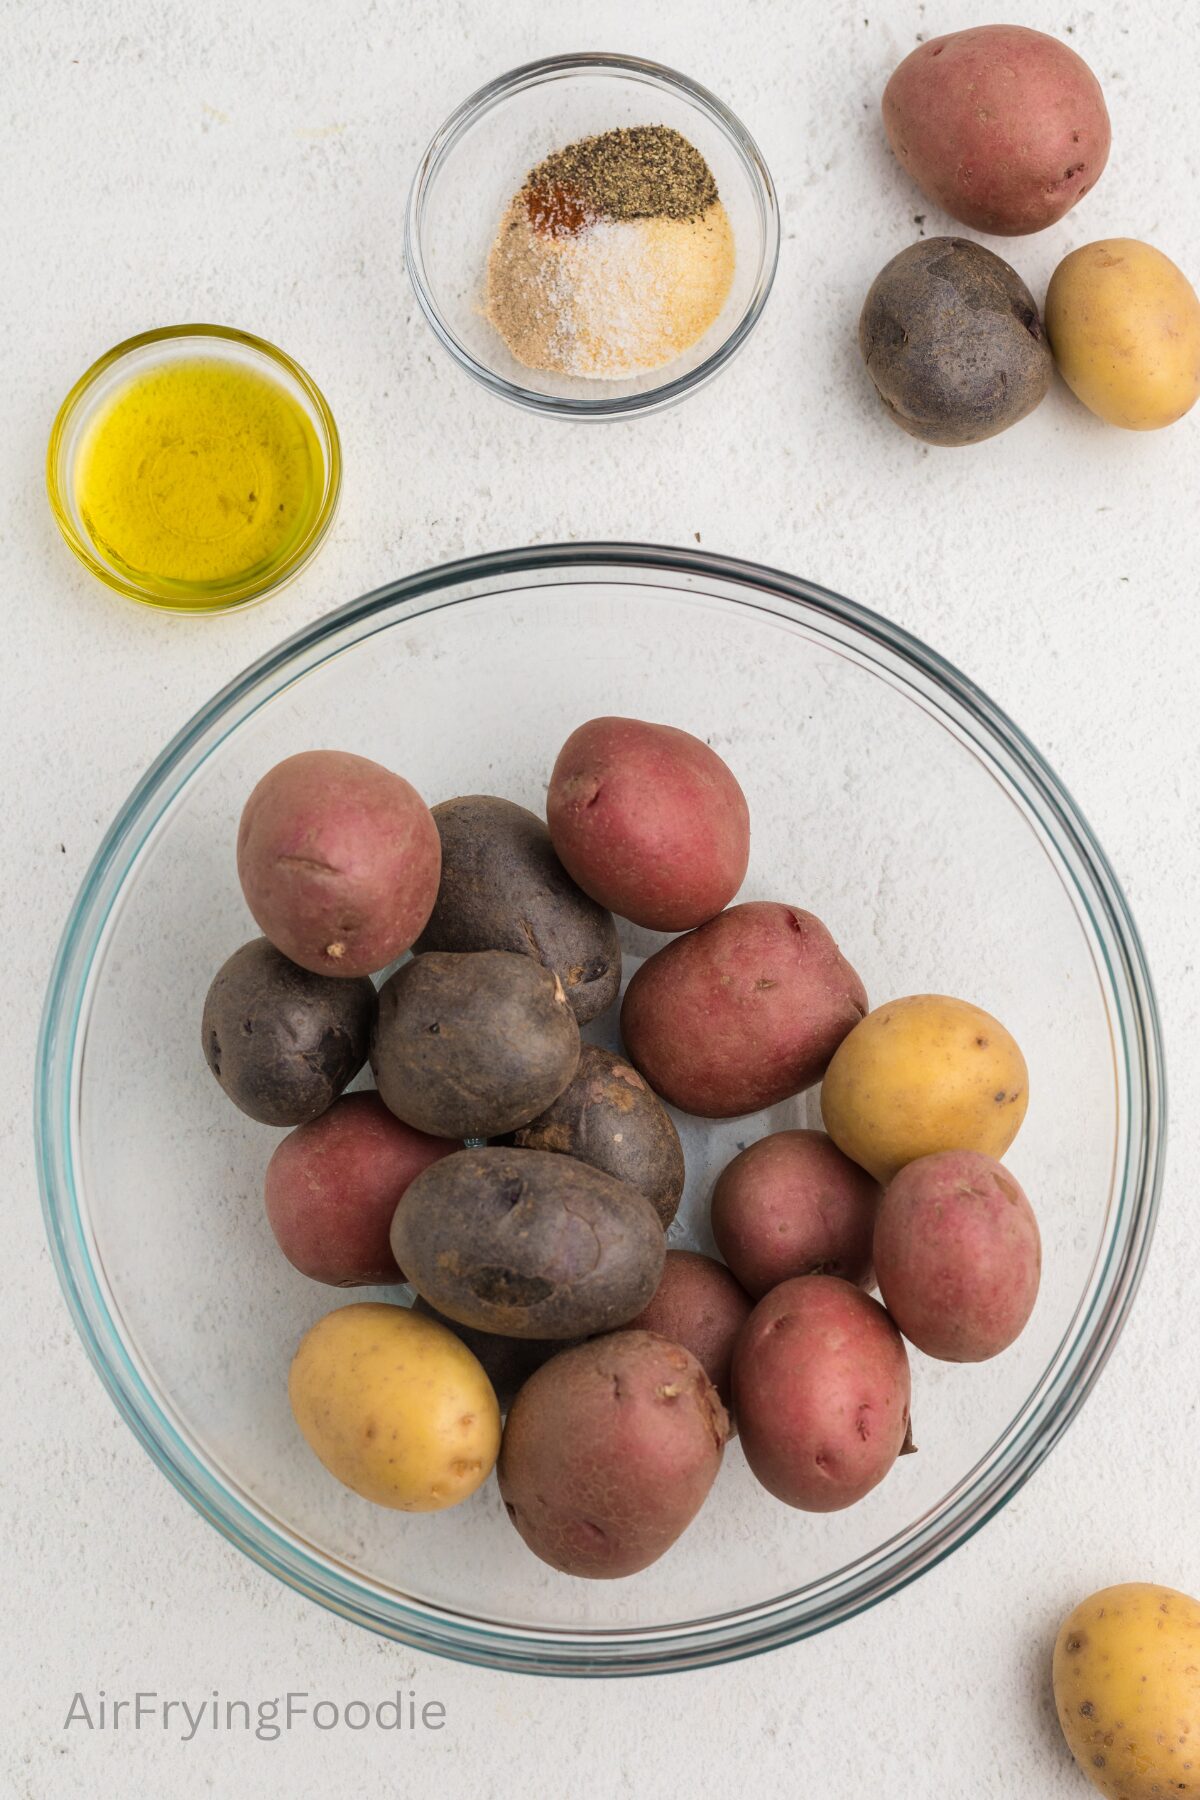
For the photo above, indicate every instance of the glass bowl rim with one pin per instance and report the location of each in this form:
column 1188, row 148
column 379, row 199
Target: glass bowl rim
column 239, row 594
column 532, row 74
column 1054, row 1401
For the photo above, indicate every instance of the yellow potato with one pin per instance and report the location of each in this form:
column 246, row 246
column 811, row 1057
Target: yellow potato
column 1127, row 1690
column 395, row 1406
column 920, row 1075
column 1124, row 325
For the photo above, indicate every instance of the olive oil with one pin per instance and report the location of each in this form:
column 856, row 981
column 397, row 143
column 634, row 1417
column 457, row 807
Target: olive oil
column 197, row 477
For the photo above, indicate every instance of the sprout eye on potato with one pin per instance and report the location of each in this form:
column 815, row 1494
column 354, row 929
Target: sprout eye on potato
column 472, row 1045
column 281, row 1041
column 503, row 888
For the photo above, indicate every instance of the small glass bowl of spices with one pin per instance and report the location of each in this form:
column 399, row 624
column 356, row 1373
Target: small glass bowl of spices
column 194, row 468
column 592, row 236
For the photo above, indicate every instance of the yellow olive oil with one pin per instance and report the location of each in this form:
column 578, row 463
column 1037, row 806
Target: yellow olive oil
column 197, row 476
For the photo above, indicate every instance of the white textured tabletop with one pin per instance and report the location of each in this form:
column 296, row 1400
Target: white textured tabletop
column 249, row 164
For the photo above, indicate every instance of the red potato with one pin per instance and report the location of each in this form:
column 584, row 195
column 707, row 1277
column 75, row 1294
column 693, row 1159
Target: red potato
column 821, row 1388
column 741, row 1013
column 792, row 1204
column 649, row 821
column 1003, row 127
column 609, row 1452
column 958, row 1255
column 339, row 861
column 698, row 1304
column 333, row 1186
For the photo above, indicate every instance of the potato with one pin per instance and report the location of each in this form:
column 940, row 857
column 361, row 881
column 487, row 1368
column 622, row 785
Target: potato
column 333, row 1185
column 649, row 821
column 283, row 1042
column 395, row 1407
column 503, row 888
column 608, row 1117
column 920, row 1075
column 609, row 1453
column 1127, row 1690
column 698, row 1304
column 338, row 860
column 958, row 1256
column 792, row 1204
column 472, row 1045
column 821, row 1389
column 508, row 1362
column 741, row 1013
column 1002, row 127
column 1124, row 325
column 952, row 340
column 528, row 1244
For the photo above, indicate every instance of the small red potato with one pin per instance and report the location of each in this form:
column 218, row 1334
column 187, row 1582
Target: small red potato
column 821, row 1388
column 792, row 1204
column 1003, row 127
column 339, row 861
column 958, row 1255
column 649, row 821
column 742, row 1013
column 333, row 1186
column 609, row 1452
column 698, row 1304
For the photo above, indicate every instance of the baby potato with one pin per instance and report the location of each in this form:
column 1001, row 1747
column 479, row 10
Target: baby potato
column 741, row 1013
column 609, row 1453
column 503, row 888
column 1124, row 325
column 528, row 1244
column 1004, row 127
column 281, row 1041
column 792, row 1204
column 650, row 821
column 920, row 1075
column 951, row 338
column 821, row 1389
column 472, row 1045
column 338, row 860
column 395, row 1407
column 333, row 1186
column 958, row 1256
column 609, row 1117
column 1127, row 1690
column 698, row 1304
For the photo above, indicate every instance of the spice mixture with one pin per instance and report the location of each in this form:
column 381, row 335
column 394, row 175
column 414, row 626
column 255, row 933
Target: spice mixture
column 615, row 256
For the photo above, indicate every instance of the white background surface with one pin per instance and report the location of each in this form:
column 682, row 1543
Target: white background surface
column 249, row 165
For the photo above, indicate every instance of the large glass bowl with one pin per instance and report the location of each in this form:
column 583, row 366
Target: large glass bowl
column 888, row 795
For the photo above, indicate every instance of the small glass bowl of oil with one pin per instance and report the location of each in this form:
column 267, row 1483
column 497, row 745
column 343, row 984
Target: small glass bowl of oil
column 194, row 468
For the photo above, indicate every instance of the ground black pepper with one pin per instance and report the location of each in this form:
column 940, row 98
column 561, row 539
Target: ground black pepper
column 633, row 172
